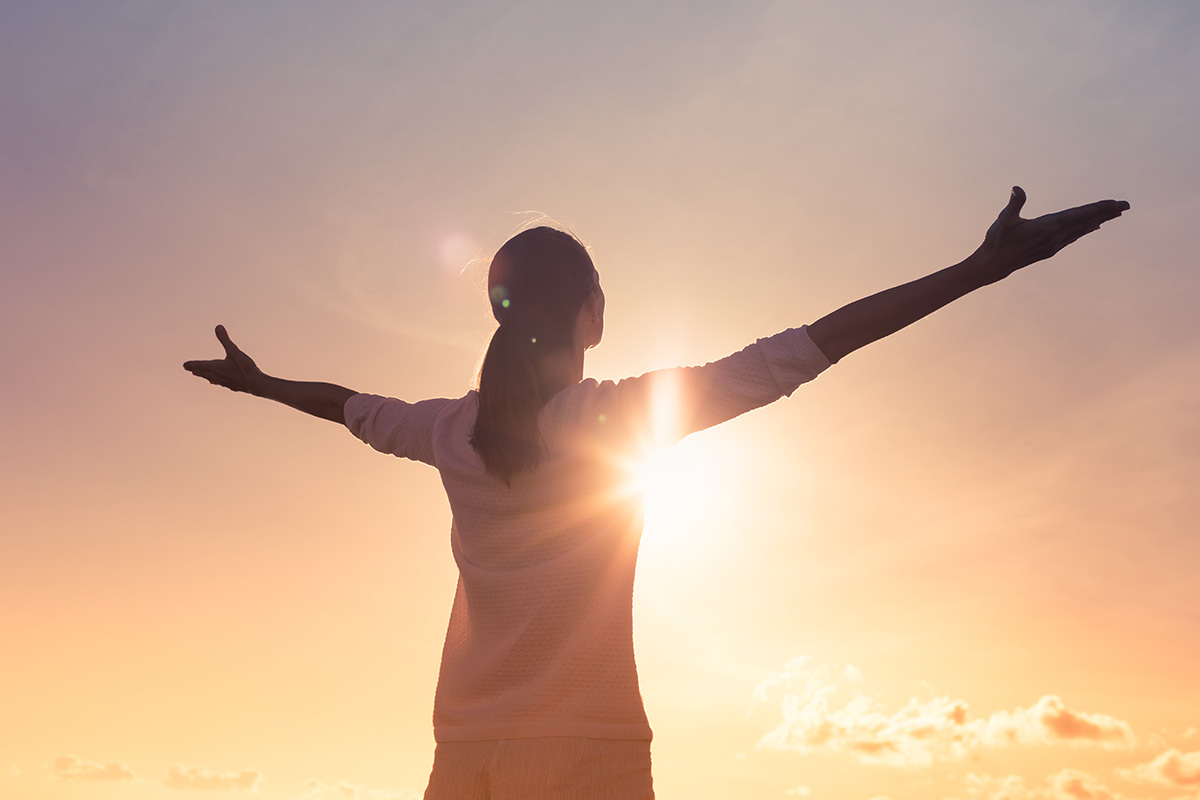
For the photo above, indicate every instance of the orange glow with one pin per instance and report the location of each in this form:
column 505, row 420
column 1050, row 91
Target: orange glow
column 961, row 564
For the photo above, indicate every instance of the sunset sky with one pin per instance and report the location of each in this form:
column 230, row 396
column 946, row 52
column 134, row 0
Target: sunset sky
column 962, row 564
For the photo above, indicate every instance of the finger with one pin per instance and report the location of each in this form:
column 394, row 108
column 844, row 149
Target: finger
column 1085, row 219
column 1117, row 205
column 216, row 378
column 1103, row 210
column 226, row 342
column 1075, row 236
column 1012, row 211
column 1075, row 223
column 203, row 369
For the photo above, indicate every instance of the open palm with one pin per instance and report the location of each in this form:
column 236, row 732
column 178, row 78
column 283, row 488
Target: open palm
column 236, row 371
column 1013, row 242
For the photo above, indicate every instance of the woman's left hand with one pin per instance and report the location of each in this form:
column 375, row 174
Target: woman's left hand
column 1012, row 242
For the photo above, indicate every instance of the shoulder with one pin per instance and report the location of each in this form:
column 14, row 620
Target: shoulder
column 576, row 403
column 588, row 411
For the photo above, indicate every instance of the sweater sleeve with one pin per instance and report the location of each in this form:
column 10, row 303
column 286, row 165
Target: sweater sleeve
column 393, row 426
column 667, row 405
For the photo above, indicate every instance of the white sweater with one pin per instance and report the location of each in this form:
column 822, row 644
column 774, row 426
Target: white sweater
column 540, row 641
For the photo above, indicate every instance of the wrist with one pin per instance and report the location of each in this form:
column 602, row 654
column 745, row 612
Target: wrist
column 261, row 384
column 986, row 267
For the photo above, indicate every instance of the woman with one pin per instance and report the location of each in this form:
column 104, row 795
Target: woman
column 537, row 695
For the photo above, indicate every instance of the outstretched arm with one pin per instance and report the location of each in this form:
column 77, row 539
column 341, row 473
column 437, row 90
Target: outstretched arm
column 1010, row 244
column 237, row 371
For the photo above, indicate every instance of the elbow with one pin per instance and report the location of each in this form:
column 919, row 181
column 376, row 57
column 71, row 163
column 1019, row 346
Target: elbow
column 833, row 348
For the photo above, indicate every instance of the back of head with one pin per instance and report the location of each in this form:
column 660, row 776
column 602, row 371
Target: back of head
column 537, row 283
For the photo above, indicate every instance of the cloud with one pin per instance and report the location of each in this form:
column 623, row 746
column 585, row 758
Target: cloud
column 73, row 768
column 989, row 787
column 315, row 790
column 1071, row 784
column 1049, row 721
column 822, row 711
column 1172, row 768
column 182, row 777
column 799, row 791
column 1067, row 784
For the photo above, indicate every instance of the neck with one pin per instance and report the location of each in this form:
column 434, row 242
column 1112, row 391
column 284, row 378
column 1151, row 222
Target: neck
column 561, row 368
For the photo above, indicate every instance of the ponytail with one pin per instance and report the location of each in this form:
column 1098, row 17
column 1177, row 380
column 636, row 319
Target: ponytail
column 537, row 283
column 510, row 396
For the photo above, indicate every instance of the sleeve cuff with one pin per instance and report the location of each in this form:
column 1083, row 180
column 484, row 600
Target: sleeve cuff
column 793, row 358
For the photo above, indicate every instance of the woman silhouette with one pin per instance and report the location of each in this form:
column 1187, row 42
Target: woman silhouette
column 537, row 695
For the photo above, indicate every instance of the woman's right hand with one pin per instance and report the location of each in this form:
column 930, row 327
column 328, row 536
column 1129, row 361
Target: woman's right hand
column 236, row 371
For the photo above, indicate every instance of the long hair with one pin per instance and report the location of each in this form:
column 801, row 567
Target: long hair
column 537, row 283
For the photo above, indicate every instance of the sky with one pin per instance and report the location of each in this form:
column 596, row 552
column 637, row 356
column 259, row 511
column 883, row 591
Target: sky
column 960, row 565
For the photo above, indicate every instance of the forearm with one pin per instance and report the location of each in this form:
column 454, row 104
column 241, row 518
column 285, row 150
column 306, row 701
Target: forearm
column 324, row 400
column 238, row 372
column 872, row 318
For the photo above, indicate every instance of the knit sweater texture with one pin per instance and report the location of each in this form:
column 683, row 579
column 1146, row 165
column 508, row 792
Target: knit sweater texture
column 540, row 640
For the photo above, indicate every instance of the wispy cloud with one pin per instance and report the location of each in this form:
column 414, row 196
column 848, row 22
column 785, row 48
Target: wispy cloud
column 990, row 787
column 343, row 790
column 1173, row 768
column 823, row 711
column 1067, row 784
column 1072, row 784
column 73, row 768
column 183, row 777
column 1049, row 721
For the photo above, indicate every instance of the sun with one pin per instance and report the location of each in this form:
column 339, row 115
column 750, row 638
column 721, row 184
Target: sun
column 688, row 493
column 691, row 487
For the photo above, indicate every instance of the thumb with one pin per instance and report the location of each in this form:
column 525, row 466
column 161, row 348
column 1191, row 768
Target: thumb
column 1012, row 212
column 226, row 342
